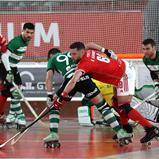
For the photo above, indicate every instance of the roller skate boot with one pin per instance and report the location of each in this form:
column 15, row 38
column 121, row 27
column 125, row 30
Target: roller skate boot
column 11, row 119
column 52, row 140
column 115, row 138
column 129, row 130
column 2, row 120
column 151, row 133
column 123, row 137
column 21, row 122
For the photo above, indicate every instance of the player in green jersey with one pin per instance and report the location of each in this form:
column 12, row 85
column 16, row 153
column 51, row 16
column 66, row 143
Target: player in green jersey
column 9, row 73
column 63, row 64
column 151, row 60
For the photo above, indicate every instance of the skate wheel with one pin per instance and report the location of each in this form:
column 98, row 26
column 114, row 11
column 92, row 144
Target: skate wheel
column 58, row 145
column 9, row 126
column 131, row 140
column 149, row 143
column 120, row 144
column 126, row 142
column 53, row 145
column 46, row 145
column 4, row 126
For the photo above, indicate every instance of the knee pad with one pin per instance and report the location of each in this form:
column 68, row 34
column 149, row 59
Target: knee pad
column 102, row 106
column 114, row 102
column 6, row 93
column 124, row 109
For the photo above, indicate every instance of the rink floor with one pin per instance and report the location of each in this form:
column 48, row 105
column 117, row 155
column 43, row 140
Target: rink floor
column 76, row 142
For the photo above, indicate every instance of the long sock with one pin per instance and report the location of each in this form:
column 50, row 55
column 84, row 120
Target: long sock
column 138, row 118
column 54, row 117
column 16, row 107
column 2, row 103
column 108, row 115
column 124, row 121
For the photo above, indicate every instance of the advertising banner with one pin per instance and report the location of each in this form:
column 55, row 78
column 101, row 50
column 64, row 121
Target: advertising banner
column 33, row 82
column 121, row 32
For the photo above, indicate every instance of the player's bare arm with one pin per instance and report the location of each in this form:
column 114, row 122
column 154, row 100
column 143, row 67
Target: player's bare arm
column 49, row 85
column 71, row 84
column 49, row 77
column 93, row 46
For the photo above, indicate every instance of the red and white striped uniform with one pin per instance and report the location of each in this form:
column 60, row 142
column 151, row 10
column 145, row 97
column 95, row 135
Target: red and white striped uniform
column 2, row 40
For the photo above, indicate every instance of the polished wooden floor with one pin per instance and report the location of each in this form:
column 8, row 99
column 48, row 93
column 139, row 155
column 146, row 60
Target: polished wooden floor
column 76, row 142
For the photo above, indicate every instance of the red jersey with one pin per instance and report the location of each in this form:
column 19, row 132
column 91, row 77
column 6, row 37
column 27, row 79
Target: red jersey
column 2, row 40
column 102, row 68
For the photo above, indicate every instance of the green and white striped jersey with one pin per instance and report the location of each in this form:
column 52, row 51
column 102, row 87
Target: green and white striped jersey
column 152, row 65
column 63, row 64
column 18, row 47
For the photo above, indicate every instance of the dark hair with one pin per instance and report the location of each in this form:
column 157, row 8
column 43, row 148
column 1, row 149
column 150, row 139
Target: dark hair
column 149, row 41
column 78, row 45
column 28, row 26
column 52, row 52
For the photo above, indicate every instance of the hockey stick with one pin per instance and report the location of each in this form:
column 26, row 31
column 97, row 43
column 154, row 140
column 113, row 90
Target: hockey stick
column 1, row 145
column 148, row 110
column 144, row 100
column 31, row 109
column 15, row 141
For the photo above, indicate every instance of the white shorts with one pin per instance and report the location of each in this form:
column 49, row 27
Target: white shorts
column 126, row 86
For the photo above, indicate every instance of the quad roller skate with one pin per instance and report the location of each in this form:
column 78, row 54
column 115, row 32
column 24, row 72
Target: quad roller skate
column 151, row 133
column 115, row 138
column 21, row 122
column 52, row 141
column 3, row 120
column 124, row 137
column 129, row 130
column 11, row 120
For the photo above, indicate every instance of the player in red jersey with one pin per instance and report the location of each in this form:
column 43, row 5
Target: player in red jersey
column 108, row 70
column 3, row 49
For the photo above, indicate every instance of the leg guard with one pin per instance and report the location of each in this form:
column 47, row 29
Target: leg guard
column 124, row 109
column 84, row 116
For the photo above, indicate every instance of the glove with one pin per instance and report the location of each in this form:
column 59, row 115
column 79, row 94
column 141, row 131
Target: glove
column 58, row 101
column 10, row 76
column 157, row 89
column 49, row 101
column 15, row 93
column 109, row 53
